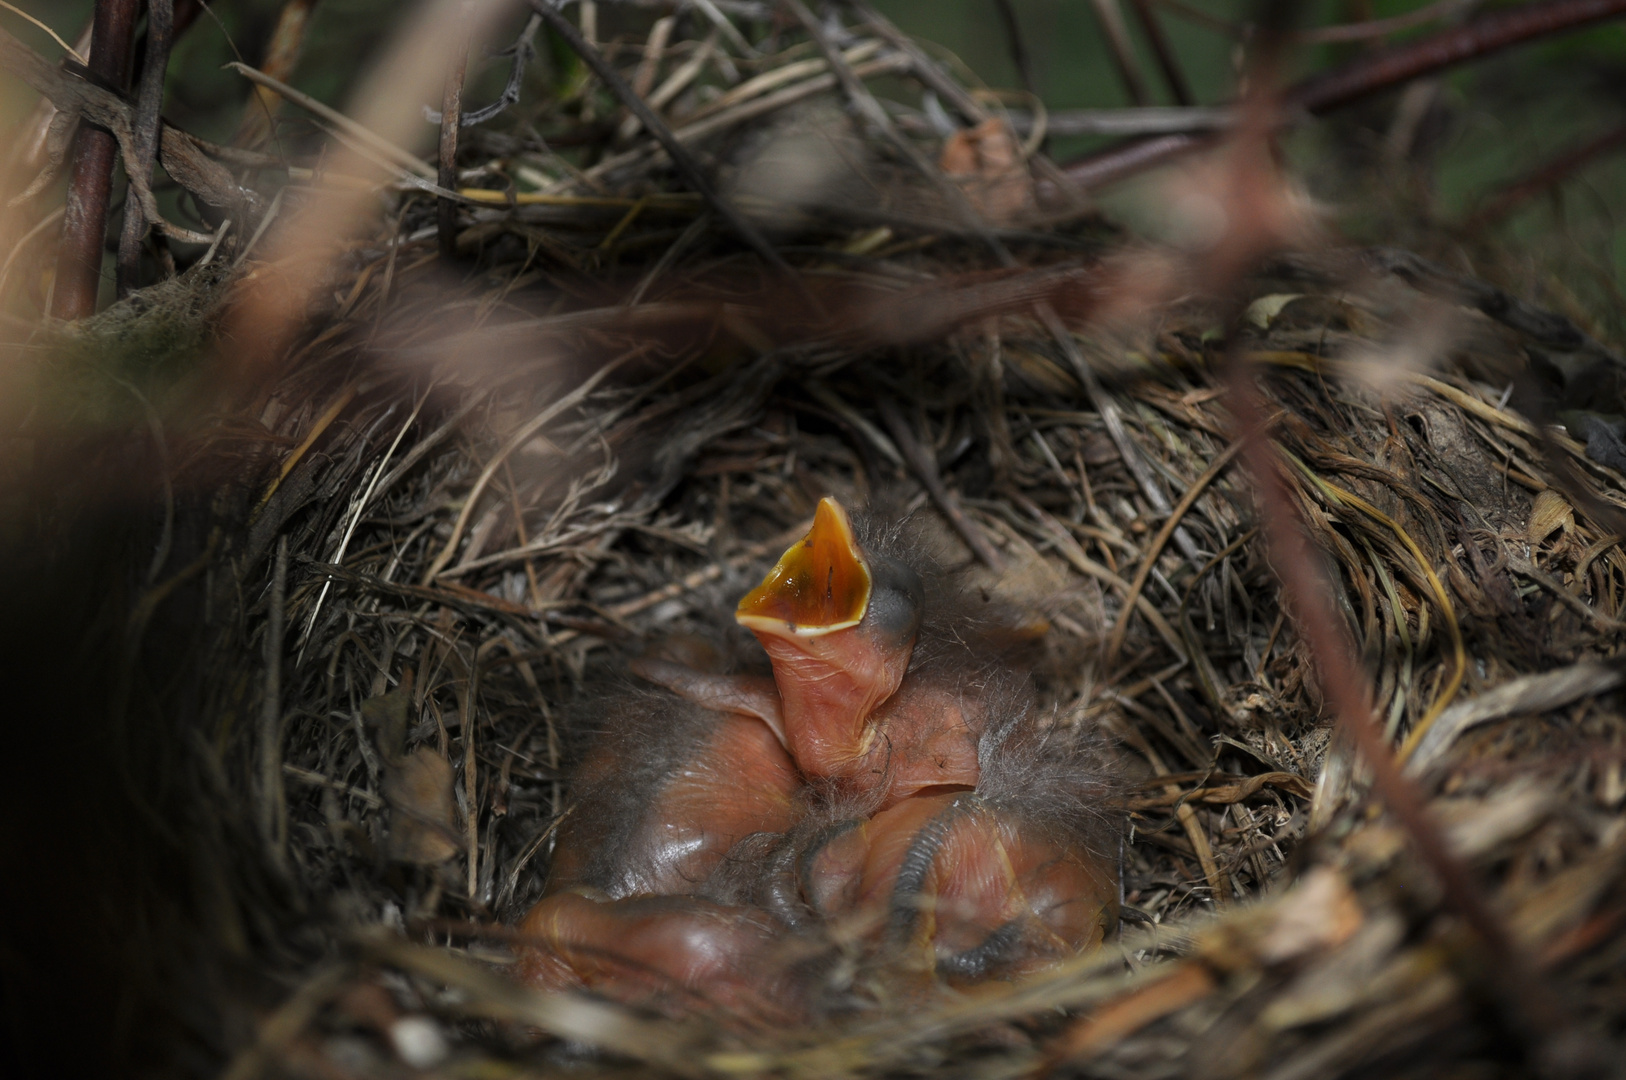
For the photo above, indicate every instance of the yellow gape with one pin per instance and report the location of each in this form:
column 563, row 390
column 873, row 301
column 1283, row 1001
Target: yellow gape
column 820, row 585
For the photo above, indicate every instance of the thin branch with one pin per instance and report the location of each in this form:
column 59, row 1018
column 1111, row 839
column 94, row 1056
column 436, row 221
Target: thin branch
column 1481, row 37
column 333, row 116
column 515, row 441
column 927, row 70
column 451, row 106
column 1167, row 62
column 1018, row 47
column 145, row 127
column 925, row 469
column 924, row 67
column 523, row 52
column 1548, row 176
column 282, row 54
column 69, row 49
column 643, row 80
column 865, row 102
column 1147, row 120
column 1367, row 75
column 1376, row 28
column 272, row 823
column 1112, row 419
column 1524, row 1001
column 1149, row 558
column 1111, row 18
column 709, row 9
column 871, row 110
column 1192, row 13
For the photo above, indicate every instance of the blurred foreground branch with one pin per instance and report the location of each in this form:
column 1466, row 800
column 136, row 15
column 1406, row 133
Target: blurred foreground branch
column 1367, row 75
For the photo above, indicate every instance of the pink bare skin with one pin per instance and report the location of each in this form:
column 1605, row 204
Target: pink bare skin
column 677, row 954
column 735, row 781
column 956, row 886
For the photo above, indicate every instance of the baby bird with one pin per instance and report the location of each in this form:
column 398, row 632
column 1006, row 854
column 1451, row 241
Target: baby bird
column 996, row 881
column 888, row 777
column 665, row 793
column 840, row 625
column 670, row 953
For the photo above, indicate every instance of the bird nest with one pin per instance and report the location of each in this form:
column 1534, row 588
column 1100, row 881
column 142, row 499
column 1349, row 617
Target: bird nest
column 399, row 572
column 437, row 580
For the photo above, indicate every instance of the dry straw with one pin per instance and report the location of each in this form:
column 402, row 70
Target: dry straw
column 460, row 492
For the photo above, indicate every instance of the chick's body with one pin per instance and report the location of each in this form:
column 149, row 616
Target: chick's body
column 953, row 884
column 664, row 795
column 911, row 795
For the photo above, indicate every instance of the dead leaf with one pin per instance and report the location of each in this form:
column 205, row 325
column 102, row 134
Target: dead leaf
column 987, row 162
column 1551, row 513
column 387, row 713
column 1263, row 311
column 423, row 821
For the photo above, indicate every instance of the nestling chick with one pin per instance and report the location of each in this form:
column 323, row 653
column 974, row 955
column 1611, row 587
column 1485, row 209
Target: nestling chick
column 893, row 777
column 665, row 793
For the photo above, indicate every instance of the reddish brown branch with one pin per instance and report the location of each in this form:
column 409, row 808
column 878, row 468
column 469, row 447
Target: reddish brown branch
column 1470, row 41
column 1548, row 176
column 1368, row 75
column 84, row 221
column 451, row 114
column 1521, row 995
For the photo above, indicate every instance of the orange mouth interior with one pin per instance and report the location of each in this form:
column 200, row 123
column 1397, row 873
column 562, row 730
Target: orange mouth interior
column 820, row 585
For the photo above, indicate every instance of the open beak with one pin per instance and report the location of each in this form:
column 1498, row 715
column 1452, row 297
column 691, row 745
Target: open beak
column 819, row 586
column 839, row 631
